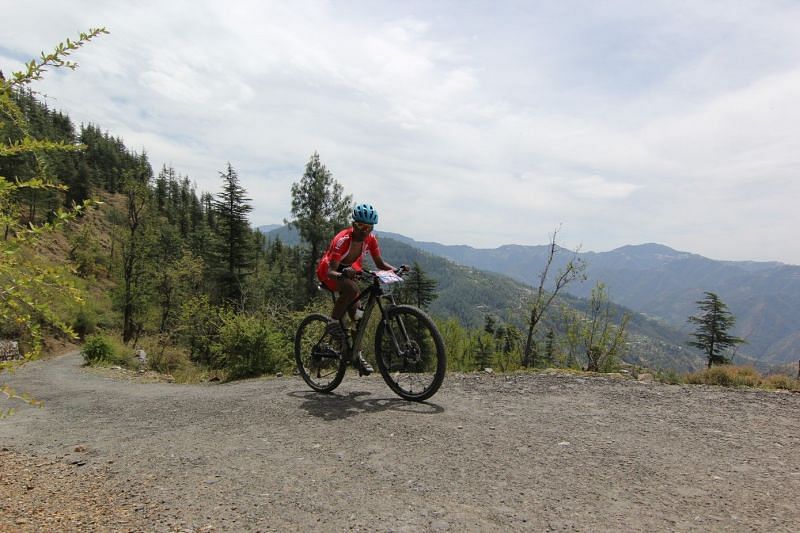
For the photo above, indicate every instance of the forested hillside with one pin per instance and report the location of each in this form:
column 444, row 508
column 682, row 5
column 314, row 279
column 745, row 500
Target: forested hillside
column 159, row 265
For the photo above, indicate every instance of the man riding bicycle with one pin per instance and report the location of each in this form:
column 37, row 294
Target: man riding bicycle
column 342, row 262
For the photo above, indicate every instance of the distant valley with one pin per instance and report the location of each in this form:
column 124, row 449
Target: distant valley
column 665, row 284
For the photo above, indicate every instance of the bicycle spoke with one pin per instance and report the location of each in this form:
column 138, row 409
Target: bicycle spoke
column 410, row 353
column 318, row 355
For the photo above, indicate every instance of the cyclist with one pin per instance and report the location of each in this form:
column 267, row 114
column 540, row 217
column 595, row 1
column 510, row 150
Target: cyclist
column 341, row 263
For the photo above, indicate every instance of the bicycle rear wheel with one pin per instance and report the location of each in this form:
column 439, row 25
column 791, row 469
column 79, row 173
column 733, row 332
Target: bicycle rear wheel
column 410, row 353
column 319, row 355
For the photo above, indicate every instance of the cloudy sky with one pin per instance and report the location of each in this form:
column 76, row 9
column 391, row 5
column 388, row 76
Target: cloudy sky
column 464, row 122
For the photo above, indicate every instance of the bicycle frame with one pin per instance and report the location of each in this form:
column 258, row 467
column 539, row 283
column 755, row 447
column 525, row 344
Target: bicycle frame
column 413, row 366
column 373, row 294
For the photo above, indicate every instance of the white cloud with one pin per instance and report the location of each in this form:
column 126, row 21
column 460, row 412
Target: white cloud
column 739, row 135
column 464, row 123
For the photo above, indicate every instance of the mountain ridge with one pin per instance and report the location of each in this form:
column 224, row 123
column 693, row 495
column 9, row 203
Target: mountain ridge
column 661, row 282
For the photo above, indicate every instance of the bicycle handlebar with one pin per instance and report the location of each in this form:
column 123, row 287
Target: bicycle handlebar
column 371, row 275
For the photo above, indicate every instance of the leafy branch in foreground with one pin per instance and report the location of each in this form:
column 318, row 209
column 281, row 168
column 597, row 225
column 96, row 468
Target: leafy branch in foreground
column 30, row 285
column 11, row 394
column 11, row 116
column 35, row 68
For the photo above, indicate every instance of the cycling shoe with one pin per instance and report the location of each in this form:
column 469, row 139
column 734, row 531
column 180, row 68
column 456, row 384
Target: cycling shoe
column 363, row 366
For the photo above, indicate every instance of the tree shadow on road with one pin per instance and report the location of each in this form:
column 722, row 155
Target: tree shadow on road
column 334, row 406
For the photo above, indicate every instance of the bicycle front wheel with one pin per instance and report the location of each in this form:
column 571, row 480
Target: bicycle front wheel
column 319, row 356
column 410, row 353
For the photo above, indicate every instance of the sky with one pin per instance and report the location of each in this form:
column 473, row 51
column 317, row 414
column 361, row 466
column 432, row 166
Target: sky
column 463, row 122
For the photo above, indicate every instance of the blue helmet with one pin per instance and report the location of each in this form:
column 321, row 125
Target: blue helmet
column 365, row 213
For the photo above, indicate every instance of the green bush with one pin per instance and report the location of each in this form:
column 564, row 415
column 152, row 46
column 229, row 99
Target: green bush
column 250, row 346
column 98, row 349
column 163, row 355
column 669, row 377
column 167, row 360
column 102, row 349
column 85, row 322
column 200, row 324
column 87, row 255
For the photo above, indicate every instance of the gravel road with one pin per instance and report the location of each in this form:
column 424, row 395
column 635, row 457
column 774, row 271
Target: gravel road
column 533, row 452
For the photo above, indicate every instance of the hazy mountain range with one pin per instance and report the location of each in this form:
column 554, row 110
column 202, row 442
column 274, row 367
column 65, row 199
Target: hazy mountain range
column 664, row 283
column 658, row 282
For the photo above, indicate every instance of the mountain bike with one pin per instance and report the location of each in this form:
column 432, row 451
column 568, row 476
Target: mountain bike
column 409, row 349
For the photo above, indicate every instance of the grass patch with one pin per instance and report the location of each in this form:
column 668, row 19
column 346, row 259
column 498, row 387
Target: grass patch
column 170, row 359
column 741, row 376
column 782, row 381
column 670, row 377
column 104, row 350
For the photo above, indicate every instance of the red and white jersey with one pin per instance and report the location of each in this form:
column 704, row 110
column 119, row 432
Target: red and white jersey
column 339, row 250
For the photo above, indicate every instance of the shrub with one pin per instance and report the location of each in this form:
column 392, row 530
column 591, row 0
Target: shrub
column 87, row 254
column 167, row 359
column 782, row 381
column 669, row 377
column 200, row 329
column 726, row 376
column 102, row 349
column 85, row 322
column 250, row 346
column 97, row 349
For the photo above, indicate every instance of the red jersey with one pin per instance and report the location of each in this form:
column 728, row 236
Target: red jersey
column 340, row 248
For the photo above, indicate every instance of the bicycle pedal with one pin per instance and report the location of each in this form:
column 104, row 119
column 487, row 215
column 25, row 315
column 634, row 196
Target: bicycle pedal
column 363, row 366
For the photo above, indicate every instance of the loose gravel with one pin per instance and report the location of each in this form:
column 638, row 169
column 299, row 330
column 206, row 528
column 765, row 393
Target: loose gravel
column 523, row 452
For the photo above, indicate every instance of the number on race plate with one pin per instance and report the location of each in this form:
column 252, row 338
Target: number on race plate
column 388, row 276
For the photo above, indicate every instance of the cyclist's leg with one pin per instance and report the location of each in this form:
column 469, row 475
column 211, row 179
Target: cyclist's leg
column 348, row 291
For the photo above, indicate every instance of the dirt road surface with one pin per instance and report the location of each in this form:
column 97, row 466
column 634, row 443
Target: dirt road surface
column 533, row 452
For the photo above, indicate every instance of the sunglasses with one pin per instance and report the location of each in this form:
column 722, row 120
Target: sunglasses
column 361, row 226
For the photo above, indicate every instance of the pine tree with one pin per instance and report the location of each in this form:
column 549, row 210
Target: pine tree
column 231, row 208
column 418, row 288
column 549, row 348
column 135, row 264
column 712, row 329
column 483, row 350
column 161, row 187
column 320, row 208
column 490, row 324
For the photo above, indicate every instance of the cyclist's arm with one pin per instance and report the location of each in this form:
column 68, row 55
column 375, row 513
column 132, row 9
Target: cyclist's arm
column 333, row 270
column 375, row 252
column 381, row 264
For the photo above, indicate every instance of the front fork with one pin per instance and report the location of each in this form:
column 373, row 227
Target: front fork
column 390, row 330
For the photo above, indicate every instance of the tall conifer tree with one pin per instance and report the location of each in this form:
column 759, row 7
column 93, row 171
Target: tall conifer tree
column 231, row 208
column 419, row 289
column 712, row 329
column 320, row 208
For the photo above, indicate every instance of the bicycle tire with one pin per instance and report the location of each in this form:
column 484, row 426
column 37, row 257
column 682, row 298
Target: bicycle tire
column 318, row 355
column 418, row 370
